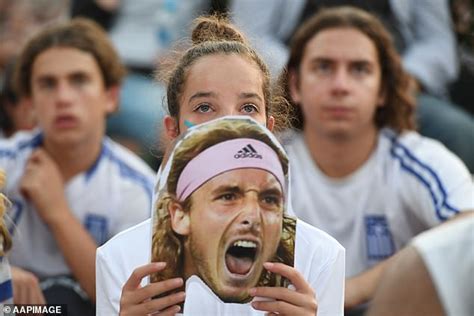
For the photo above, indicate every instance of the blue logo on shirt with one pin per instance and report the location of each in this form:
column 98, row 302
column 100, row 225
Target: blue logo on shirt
column 379, row 238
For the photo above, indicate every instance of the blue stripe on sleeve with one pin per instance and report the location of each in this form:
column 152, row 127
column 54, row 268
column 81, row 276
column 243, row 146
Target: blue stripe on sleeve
column 125, row 170
column 430, row 179
column 12, row 151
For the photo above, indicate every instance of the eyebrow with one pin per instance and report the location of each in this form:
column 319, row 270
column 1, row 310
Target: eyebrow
column 227, row 189
column 207, row 94
column 236, row 189
column 274, row 191
column 72, row 74
column 202, row 94
column 249, row 95
column 322, row 59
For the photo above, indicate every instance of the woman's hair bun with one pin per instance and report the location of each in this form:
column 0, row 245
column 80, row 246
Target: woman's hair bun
column 215, row 28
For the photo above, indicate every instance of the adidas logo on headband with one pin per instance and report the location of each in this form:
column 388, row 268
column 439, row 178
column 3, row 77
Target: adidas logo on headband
column 247, row 152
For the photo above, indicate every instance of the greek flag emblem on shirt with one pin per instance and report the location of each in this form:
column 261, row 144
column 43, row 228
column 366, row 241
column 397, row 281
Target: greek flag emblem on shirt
column 379, row 238
column 96, row 225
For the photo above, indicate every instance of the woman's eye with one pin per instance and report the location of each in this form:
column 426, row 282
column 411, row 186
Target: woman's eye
column 203, row 108
column 249, row 108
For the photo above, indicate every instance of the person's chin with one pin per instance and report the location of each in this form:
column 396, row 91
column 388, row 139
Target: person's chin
column 234, row 294
column 234, row 287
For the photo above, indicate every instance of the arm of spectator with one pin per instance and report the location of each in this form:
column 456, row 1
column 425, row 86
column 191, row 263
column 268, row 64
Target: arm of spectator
column 77, row 246
column 137, row 300
column 26, row 288
column 431, row 56
column 394, row 297
column 444, row 244
column 268, row 23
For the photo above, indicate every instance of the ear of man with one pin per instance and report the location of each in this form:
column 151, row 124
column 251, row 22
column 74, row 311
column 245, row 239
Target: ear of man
column 179, row 218
column 113, row 96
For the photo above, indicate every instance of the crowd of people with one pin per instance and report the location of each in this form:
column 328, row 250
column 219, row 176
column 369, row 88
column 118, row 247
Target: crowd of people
column 288, row 157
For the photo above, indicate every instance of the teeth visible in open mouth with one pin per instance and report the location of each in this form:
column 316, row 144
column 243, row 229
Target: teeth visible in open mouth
column 244, row 244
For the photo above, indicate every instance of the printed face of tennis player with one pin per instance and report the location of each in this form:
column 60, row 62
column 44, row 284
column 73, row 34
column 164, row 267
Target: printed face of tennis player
column 233, row 227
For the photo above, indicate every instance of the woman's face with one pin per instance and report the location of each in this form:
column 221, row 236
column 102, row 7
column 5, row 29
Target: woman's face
column 220, row 85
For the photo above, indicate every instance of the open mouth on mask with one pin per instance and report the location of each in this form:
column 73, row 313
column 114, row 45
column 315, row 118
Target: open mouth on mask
column 241, row 256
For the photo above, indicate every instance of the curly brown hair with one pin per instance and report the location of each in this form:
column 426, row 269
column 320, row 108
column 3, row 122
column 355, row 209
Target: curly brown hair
column 398, row 112
column 166, row 244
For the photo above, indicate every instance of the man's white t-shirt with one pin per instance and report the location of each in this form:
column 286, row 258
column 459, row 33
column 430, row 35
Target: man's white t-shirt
column 319, row 257
column 448, row 254
column 409, row 183
column 114, row 194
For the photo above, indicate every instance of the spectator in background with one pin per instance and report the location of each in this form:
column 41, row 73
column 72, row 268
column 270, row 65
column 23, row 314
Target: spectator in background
column 71, row 188
column 15, row 113
column 19, row 20
column 463, row 18
column 422, row 32
column 143, row 33
column 433, row 276
column 359, row 171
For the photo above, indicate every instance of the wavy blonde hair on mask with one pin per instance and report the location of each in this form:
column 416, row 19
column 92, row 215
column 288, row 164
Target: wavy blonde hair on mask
column 5, row 239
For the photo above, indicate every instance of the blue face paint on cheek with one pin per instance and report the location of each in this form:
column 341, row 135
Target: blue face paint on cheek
column 188, row 124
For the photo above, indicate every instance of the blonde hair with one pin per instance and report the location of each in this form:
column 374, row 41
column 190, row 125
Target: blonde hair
column 5, row 239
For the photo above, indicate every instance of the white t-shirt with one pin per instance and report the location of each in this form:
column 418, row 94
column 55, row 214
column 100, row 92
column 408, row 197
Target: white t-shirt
column 407, row 185
column 319, row 257
column 114, row 194
column 448, row 253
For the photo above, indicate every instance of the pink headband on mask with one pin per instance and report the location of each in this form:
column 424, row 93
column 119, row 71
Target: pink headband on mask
column 233, row 154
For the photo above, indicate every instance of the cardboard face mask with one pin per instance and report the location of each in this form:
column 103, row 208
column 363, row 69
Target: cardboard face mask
column 221, row 209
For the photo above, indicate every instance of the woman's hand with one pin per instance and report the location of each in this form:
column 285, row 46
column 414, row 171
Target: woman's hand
column 137, row 300
column 301, row 301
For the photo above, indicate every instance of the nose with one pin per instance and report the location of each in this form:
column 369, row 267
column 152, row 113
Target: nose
column 64, row 93
column 251, row 213
column 340, row 82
